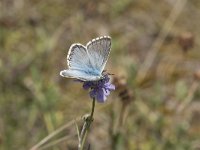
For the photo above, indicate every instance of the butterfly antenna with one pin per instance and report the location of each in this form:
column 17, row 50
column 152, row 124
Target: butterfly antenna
column 104, row 72
column 111, row 74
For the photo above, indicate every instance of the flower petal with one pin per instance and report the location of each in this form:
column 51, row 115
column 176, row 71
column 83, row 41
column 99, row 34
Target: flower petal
column 106, row 92
column 110, row 86
column 99, row 89
column 101, row 97
column 87, row 85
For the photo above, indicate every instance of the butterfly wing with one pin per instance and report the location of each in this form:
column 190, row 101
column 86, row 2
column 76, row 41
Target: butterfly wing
column 79, row 74
column 98, row 50
column 79, row 64
column 77, row 57
column 87, row 63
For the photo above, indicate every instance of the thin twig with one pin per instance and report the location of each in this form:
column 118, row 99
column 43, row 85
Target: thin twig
column 65, row 138
column 86, row 126
column 82, row 134
column 35, row 147
column 152, row 53
column 77, row 129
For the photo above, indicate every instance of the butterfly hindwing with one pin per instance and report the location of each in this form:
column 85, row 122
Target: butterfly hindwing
column 79, row 74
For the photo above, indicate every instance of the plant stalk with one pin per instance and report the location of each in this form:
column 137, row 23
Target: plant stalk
column 86, row 126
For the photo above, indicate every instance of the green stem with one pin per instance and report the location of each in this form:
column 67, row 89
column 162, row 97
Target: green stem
column 92, row 112
column 86, row 127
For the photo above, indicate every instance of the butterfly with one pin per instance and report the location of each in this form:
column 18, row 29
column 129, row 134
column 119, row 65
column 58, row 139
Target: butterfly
column 87, row 63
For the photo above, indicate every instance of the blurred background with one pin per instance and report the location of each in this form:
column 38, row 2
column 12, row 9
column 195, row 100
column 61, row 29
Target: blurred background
column 155, row 58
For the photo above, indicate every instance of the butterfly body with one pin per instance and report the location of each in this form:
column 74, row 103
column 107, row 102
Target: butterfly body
column 87, row 62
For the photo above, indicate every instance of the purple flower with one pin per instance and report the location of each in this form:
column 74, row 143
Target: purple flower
column 99, row 89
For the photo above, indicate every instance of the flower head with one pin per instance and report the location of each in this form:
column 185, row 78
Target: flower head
column 99, row 89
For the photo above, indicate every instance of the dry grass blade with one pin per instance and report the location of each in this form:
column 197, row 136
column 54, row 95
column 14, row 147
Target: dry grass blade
column 35, row 147
column 65, row 138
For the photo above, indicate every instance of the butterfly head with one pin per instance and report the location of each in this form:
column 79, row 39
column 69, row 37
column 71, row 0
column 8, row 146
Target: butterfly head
column 104, row 74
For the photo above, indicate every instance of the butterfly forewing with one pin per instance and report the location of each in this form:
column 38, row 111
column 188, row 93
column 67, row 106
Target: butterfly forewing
column 98, row 51
column 77, row 57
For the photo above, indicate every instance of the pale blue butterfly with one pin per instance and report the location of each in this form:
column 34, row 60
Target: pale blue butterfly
column 87, row 63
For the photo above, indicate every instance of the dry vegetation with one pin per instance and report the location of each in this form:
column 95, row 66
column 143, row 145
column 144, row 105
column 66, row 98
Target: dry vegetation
column 156, row 105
